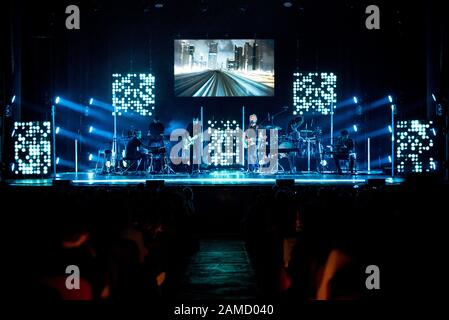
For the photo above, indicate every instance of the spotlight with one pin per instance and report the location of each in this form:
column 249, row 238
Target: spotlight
column 91, row 101
column 91, row 129
column 57, row 100
column 57, row 160
column 13, row 98
column 323, row 163
column 356, row 100
column 287, row 4
column 355, row 128
column 389, row 159
column 433, row 97
column 57, row 130
column 91, row 156
column 390, row 98
column 390, row 129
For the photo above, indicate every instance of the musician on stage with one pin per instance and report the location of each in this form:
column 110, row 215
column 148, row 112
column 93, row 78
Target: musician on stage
column 133, row 148
column 156, row 130
column 344, row 150
column 252, row 143
column 294, row 125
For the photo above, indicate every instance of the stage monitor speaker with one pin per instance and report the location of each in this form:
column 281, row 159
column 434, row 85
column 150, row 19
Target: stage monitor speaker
column 376, row 182
column 285, row 182
column 155, row 184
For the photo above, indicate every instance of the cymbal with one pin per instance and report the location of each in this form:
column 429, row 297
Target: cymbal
column 273, row 127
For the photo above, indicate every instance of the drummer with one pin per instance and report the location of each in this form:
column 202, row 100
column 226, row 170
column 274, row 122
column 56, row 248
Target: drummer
column 293, row 126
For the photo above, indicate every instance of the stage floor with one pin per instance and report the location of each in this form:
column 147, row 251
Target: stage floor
column 236, row 178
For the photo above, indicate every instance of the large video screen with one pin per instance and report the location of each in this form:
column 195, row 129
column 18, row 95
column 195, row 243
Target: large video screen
column 224, row 68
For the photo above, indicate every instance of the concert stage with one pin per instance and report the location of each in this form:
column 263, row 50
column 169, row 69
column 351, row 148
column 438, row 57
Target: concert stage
column 217, row 178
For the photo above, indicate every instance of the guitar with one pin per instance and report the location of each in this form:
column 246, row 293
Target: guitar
column 249, row 141
column 190, row 141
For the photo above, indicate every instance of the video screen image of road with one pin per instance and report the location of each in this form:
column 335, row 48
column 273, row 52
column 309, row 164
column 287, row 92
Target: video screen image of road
column 224, row 68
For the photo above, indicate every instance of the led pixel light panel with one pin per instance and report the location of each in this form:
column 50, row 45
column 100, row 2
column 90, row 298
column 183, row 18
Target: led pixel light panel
column 314, row 92
column 133, row 92
column 32, row 148
column 224, row 136
column 415, row 146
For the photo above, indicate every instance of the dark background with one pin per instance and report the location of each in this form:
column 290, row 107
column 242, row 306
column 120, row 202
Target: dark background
column 406, row 58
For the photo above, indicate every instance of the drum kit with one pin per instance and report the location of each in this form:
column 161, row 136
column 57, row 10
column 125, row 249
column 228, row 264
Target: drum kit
column 299, row 143
column 302, row 144
column 155, row 152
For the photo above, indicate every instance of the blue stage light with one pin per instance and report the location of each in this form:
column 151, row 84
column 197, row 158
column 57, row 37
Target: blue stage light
column 57, row 130
column 91, row 129
column 355, row 128
column 57, row 160
column 355, row 100
column 390, row 98
column 390, row 129
column 434, row 98
column 389, row 159
column 91, row 101
column 13, row 99
column 57, row 100
column 91, row 156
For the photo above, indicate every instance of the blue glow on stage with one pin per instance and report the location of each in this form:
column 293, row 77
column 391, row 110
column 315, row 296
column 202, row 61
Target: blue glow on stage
column 217, row 181
column 226, row 178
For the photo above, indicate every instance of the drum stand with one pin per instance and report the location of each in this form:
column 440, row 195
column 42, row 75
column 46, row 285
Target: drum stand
column 308, row 154
column 167, row 169
column 320, row 152
column 150, row 167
